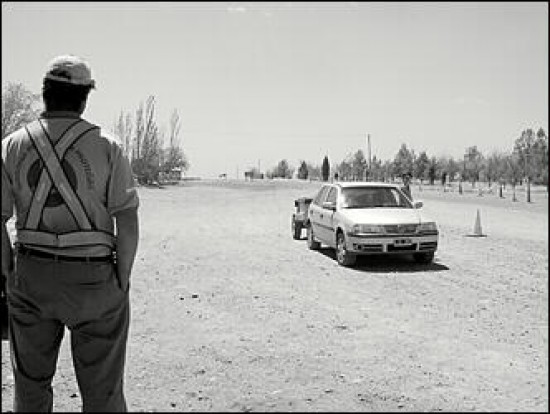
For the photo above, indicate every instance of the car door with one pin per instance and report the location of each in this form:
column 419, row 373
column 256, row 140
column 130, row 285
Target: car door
column 315, row 212
column 327, row 218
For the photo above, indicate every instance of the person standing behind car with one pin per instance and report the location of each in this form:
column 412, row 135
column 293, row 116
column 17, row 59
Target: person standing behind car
column 406, row 188
column 76, row 238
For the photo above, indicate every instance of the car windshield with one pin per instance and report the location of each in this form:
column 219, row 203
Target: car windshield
column 374, row 197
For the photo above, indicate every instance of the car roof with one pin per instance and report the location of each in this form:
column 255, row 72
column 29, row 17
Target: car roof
column 350, row 184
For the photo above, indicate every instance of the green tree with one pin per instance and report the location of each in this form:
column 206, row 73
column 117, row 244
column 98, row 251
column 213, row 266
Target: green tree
column 524, row 149
column 495, row 167
column 513, row 170
column 19, row 107
column 376, row 171
column 344, row 169
column 540, row 150
column 303, row 171
column 314, row 172
column 358, row 166
column 474, row 164
column 175, row 157
column 282, row 170
column 421, row 165
column 146, row 159
column 123, row 130
column 432, row 170
column 325, row 169
column 502, row 168
column 403, row 161
column 453, row 169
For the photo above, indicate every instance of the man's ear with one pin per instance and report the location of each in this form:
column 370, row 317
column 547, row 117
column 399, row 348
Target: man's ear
column 82, row 106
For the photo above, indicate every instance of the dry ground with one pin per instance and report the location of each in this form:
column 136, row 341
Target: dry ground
column 229, row 313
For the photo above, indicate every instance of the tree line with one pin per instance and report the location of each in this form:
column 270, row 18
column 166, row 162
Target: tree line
column 155, row 155
column 527, row 160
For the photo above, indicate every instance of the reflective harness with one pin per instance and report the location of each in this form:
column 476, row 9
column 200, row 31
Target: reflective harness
column 52, row 174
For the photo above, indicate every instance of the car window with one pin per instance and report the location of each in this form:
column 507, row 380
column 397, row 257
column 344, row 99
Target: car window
column 331, row 197
column 374, row 197
column 321, row 195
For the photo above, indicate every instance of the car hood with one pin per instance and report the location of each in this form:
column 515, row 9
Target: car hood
column 383, row 216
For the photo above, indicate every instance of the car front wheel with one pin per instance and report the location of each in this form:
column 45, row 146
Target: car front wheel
column 343, row 256
column 312, row 244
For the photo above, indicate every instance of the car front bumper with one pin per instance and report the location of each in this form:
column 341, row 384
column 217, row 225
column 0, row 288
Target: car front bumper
column 395, row 244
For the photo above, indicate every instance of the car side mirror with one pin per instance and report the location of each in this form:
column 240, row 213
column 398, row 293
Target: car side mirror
column 329, row 205
column 418, row 204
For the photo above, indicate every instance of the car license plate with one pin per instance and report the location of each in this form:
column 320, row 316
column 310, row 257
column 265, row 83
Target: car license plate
column 402, row 242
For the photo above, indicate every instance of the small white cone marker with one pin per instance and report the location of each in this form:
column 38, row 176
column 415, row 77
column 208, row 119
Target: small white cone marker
column 477, row 227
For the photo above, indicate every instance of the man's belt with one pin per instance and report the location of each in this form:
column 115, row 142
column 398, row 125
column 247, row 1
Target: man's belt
column 25, row 251
column 73, row 239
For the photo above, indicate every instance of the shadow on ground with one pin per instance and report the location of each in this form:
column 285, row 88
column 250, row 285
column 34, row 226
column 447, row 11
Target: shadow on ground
column 388, row 263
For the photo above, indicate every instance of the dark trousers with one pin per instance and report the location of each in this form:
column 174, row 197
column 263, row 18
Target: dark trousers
column 44, row 297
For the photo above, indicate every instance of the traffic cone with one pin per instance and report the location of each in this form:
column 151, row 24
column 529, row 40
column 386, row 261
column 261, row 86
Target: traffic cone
column 477, row 227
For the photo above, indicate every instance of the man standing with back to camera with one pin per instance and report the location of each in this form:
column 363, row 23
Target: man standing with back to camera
column 76, row 238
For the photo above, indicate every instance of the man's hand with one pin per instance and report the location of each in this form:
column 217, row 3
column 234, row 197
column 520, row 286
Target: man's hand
column 7, row 252
column 127, row 234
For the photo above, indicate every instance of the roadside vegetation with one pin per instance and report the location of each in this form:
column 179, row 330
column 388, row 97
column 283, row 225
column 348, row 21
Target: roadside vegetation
column 155, row 151
column 157, row 156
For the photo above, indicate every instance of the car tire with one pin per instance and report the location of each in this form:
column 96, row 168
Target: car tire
column 296, row 230
column 424, row 258
column 312, row 244
column 343, row 256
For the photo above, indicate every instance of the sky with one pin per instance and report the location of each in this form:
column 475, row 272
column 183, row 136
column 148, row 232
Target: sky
column 255, row 83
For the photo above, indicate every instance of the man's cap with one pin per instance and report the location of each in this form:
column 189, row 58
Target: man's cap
column 70, row 69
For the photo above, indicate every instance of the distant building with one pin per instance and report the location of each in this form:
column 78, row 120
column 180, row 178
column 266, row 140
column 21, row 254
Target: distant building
column 180, row 171
column 253, row 174
column 175, row 174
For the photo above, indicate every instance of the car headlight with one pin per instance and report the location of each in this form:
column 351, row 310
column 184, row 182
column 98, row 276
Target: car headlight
column 367, row 229
column 430, row 226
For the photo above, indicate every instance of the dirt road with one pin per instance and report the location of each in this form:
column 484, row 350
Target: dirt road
column 229, row 313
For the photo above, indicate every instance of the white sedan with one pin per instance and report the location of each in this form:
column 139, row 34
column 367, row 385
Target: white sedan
column 358, row 218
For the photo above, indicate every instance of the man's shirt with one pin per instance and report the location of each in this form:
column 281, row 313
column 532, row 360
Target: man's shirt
column 95, row 167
